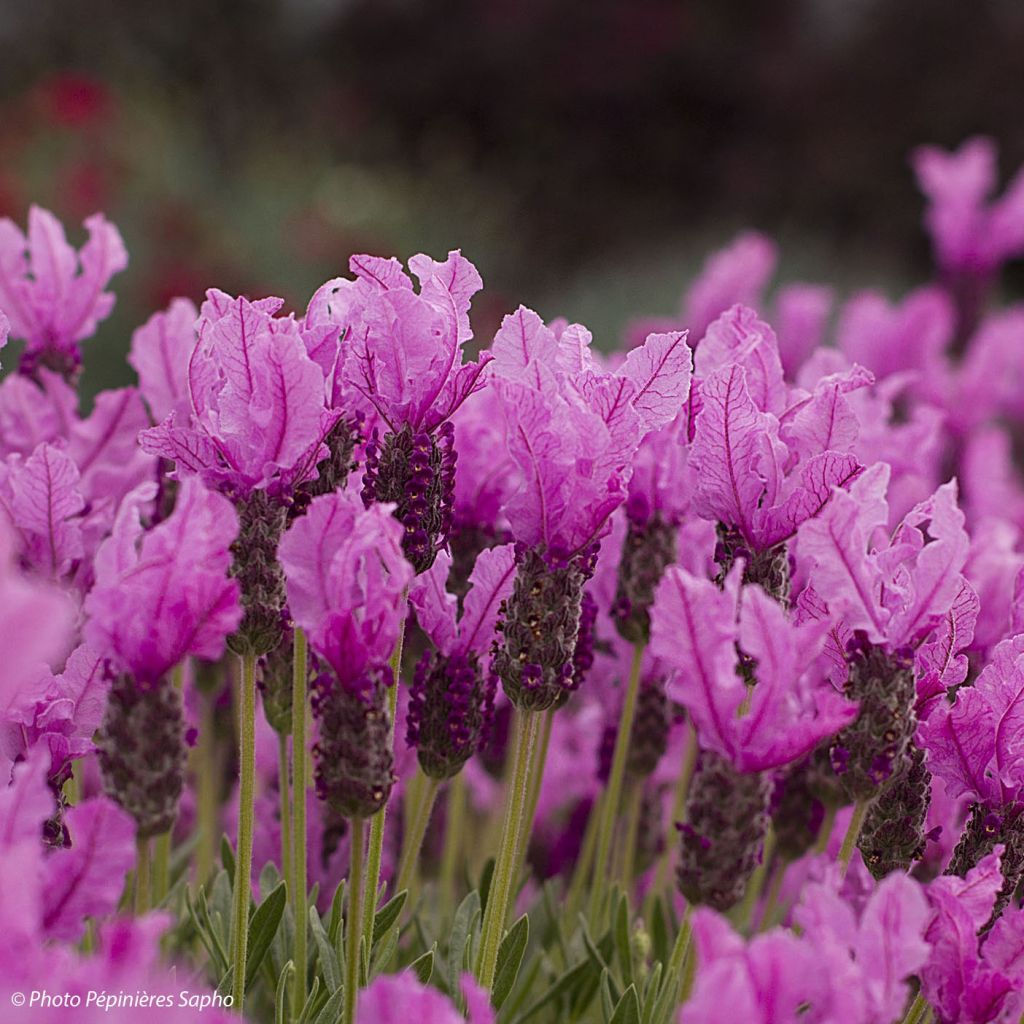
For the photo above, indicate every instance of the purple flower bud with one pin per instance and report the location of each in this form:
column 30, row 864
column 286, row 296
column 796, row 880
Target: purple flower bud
column 352, row 756
column 647, row 551
column 142, row 751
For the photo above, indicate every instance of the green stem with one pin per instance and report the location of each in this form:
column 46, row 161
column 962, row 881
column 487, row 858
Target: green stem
column 771, row 900
column 634, row 800
column 413, row 841
column 613, row 792
column 353, row 926
column 756, row 884
column 539, row 760
column 860, row 810
column 285, row 811
column 379, row 820
column 142, row 876
column 506, row 869
column 297, row 883
column 246, row 813
column 453, row 836
column 161, row 867
column 825, row 831
column 918, row 1008
column 207, row 771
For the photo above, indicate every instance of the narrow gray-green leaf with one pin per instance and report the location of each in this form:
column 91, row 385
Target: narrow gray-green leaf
column 423, row 966
column 628, row 1009
column 263, row 926
column 388, row 915
column 464, row 917
column 624, row 951
column 281, row 1003
column 510, row 957
column 331, row 1010
column 329, row 965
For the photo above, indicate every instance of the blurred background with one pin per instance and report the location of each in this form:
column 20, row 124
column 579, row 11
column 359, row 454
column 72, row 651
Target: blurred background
column 586, row 154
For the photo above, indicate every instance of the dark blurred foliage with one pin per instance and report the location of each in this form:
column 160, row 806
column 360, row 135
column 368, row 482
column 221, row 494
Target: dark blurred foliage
column 582, row 153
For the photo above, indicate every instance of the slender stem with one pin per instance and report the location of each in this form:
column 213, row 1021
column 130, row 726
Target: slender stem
column 678, row 806
column 756, row 884
column 539, row 760
column 413, row 842
column 771, row 900
column 246, row 813
column 634, row 801
column 142, row 876
column 825, row 831
column 297, row 883
column 284, row 792
column 506, row 869
column 379, row 820
column 860, row 810
column 613, row 793
column 453, row 835
column 207, row 771
column 918, row 1008
column 161, row 867
column 353, row 925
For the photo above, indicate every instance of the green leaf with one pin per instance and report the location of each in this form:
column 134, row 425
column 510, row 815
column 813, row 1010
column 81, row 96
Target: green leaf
column 388, row 915
column 331, row 1010
column 651, row 989
column 510, row 958
column 201, row 920
column 329, row 964
column 624, row 950
column 383, row 951
column 263, row 926
column 628, row 1009
column 334, row 928
column 281, row 1003
column 567, row 982
column 269, row 877
column 307, row 1010
column 461, row 927
column 423, row 966
column 607, row 1003
column 227, row 858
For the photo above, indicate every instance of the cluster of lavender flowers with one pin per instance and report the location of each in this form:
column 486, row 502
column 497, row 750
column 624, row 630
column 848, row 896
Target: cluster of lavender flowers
column 717, row 638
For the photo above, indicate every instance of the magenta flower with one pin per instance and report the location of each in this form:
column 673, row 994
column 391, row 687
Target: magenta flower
column 259, row 414
column 53, row 296
column 346, row 577
column 971, row 233
column 896, row 589
column 766, row 461
column 398, row 998
column 738, row 273
column 160, row 354
column 870, row 950
column 695, row 630
column 42, row 499
column 973, row 744
column 452, row 696
column 572, row 430
column 35, row 626
column 402, row 350
column 60, row 713
column 770, row 979
column 967, row 979
column 164, row 594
